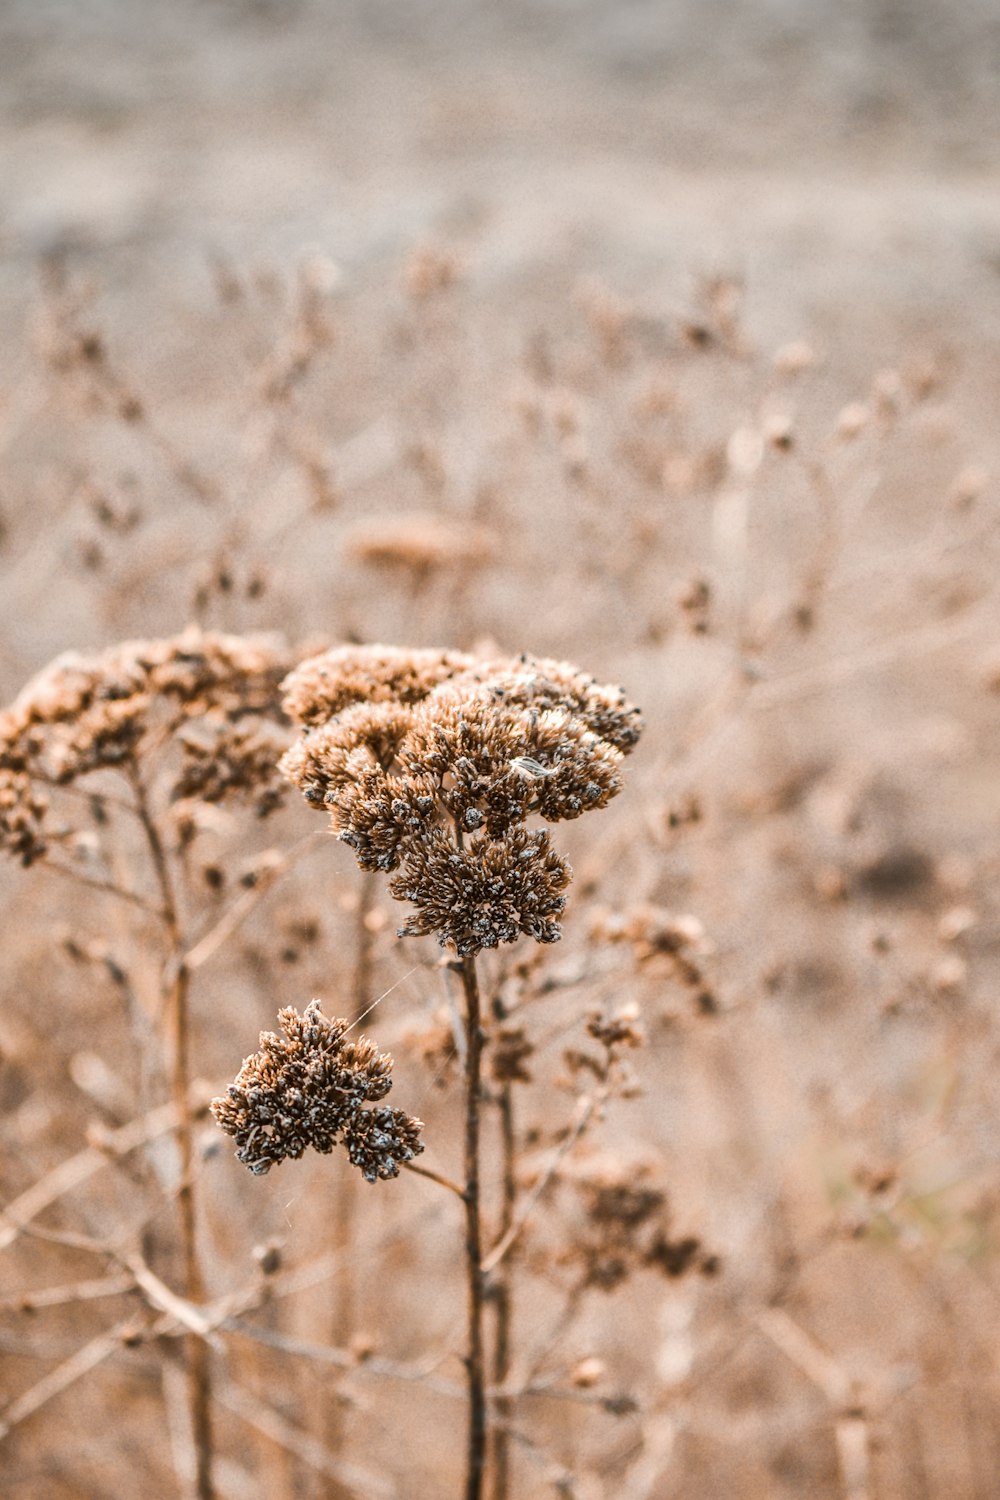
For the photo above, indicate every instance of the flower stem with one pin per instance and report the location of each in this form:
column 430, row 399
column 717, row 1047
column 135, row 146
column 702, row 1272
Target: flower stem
column 432, row 1176
column 475, row 1350
column 198, row 1374
column 501, row 1296
column 196, row 1350
column 346, row 1203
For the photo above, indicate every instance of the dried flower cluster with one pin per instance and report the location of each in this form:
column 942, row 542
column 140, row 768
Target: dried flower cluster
column 311, row 1088
column 510, row 1052
column 222, row 760
column 615, row 1032
column 625, row 1227
column 665, row 945
column 91, row 713
column 413, row 751
column 419, row 545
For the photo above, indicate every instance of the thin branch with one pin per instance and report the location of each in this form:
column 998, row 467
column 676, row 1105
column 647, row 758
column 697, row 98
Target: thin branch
column 209, row 944
column 501, row 1294
column 76, row 1170
column 111, row 887
column 230, row 1308
column 475, row 1350
column 604, row 1400
column 445, row 1182
column 77, row 1291
column 160, row 1297
column 851, row 1425
column 173, row 1381
column 345, row 1359
column 61, row 1378
column 803, row 1351
column 82, row 792
column 257, row 1414
column 176, row 986
column 564, row 1321
column 343, row 1303
column 586, row 1109
column 933, row 637
column 853, row 1454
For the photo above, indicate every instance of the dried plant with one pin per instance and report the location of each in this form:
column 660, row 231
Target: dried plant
column 107, row 712
column 814, row 1082
column 417, row 546
column 431, row 765
column 309, row 1088
column 414, row 752
column 79, row 751
column 411, row 752
column 621, row 1225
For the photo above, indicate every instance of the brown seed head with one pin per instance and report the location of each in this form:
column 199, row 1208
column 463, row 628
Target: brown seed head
column 93, row 713
column 311, row 1087
column 413, row 752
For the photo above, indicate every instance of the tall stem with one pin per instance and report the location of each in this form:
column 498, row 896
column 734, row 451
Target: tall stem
column 196, row 1350
column 346, row 1203
column 501, row 1296
column 475, row 1351
column 361, row 991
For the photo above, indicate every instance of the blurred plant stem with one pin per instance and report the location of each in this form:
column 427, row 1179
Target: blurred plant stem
column 501, row 1298
column 176, row 996
column 474, row 1356
column 346, row 1202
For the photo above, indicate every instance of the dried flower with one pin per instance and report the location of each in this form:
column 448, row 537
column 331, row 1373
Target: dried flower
column 485, row 895
column 412, row 751
column 22, row 814
column 615, row 1032
column 325, row 685
column 91, row 713
column 664, row 943
column 311, row 1088
column 420, row 545
column 624, row 1226
column 222, row 760
column 509, row 1054
column 621, row 1028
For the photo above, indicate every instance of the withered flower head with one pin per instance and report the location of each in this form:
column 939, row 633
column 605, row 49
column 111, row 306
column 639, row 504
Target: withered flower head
column 94, row 713
column 222, row 760
column 412, row 752
column 485, row 895
column 419, row 544
column 312, row 1087
column 509, row 1055
column 624, row 1225
column 22, row 817
column 326, row 684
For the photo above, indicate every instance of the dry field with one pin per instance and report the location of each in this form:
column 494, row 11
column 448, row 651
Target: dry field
column 658, row 338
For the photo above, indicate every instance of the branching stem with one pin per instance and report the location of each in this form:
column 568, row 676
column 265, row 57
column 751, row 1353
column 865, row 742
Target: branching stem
column 98, row 884
column 475, row 1350
column 177, row 976
column 501, row 1293
column 432, row 1176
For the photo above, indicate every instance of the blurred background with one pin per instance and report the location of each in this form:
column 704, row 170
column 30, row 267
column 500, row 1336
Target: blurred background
column 656, row 336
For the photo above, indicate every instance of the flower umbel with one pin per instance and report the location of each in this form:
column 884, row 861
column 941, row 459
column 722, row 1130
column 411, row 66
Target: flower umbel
column 413, row 752
column 311, row 1087
column 212, row 696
